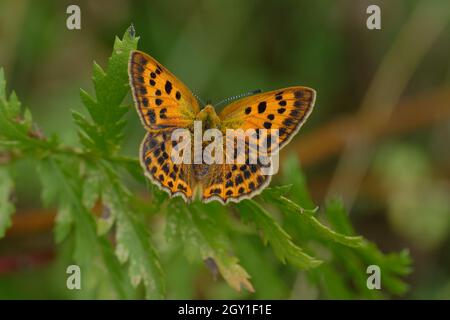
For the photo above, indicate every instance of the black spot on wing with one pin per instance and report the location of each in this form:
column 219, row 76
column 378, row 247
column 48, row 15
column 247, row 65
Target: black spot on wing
column 262, row 107
column 151, row 115
column 238, row 180
column 168, row 87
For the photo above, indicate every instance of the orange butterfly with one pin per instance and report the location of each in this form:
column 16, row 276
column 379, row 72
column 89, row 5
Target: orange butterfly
column 164, row 104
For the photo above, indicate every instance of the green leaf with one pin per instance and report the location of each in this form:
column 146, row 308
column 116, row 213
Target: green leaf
column 333, row 283
column 106, row 109
column 338, row 217
column 63, row 222
column 294, row 176
column 16, row 127
column 280, row 241
column 133, row 239
column 277, row 191
column 92, row 185
column 195, row 227
column 298, row 200
column 6, row 207
column 12, row 125
column 288, row 207
column 87, row 131
column 133, row 245
column 392, row 265
column 62, row 184
column 103, row 136
column 265, row 272
column 93, row 192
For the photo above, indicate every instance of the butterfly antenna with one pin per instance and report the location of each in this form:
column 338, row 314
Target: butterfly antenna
column 242, row 95
column 199, row 99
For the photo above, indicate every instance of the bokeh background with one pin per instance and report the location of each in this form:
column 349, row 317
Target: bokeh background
column 379, row 136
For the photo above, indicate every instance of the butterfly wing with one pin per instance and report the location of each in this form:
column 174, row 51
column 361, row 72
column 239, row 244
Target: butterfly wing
column 234, row 182
column 162, row 101
column 175, row 179
column 285, row 110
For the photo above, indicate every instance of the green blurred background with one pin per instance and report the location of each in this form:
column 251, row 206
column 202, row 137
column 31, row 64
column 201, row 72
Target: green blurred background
column 378, row 138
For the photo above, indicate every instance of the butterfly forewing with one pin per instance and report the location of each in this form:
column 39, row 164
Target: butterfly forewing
column 161, row 99
column 285, row 110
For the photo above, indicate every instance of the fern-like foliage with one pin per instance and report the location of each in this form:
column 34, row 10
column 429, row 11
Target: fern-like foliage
column 108, row 226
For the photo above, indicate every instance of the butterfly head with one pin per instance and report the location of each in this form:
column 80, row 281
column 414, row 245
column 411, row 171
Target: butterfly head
column 209, row 117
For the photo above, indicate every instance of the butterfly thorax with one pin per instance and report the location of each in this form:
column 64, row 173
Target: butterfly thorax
column 208, row 117
column 210, row 120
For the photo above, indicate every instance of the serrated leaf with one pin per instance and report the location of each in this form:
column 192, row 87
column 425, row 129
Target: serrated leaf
column 10, row 127
column 16, row 123
column 133, row 245
column 92, row 186
column 393, row 265
column 202, row 237
column 273, row 234
column 83, row 123
column 333, row 284
column 88, row 246
column 14, row 106
column 264, row 272
column 49, row 183
column 338, row 217
column 106, row 110
column 133, row 240
column 27, row 118
column 299, row 190
column 63, row 223
column 277, row 191
column 303, row 216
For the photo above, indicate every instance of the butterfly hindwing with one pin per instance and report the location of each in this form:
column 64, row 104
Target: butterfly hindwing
column 234, row 182
column 175, row 179
column 162, row 100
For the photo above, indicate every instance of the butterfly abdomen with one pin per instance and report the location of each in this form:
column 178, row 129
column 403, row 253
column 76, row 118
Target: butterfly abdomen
column 200, row 171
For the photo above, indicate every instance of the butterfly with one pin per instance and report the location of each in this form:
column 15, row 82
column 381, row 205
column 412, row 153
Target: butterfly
column 165, row 104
